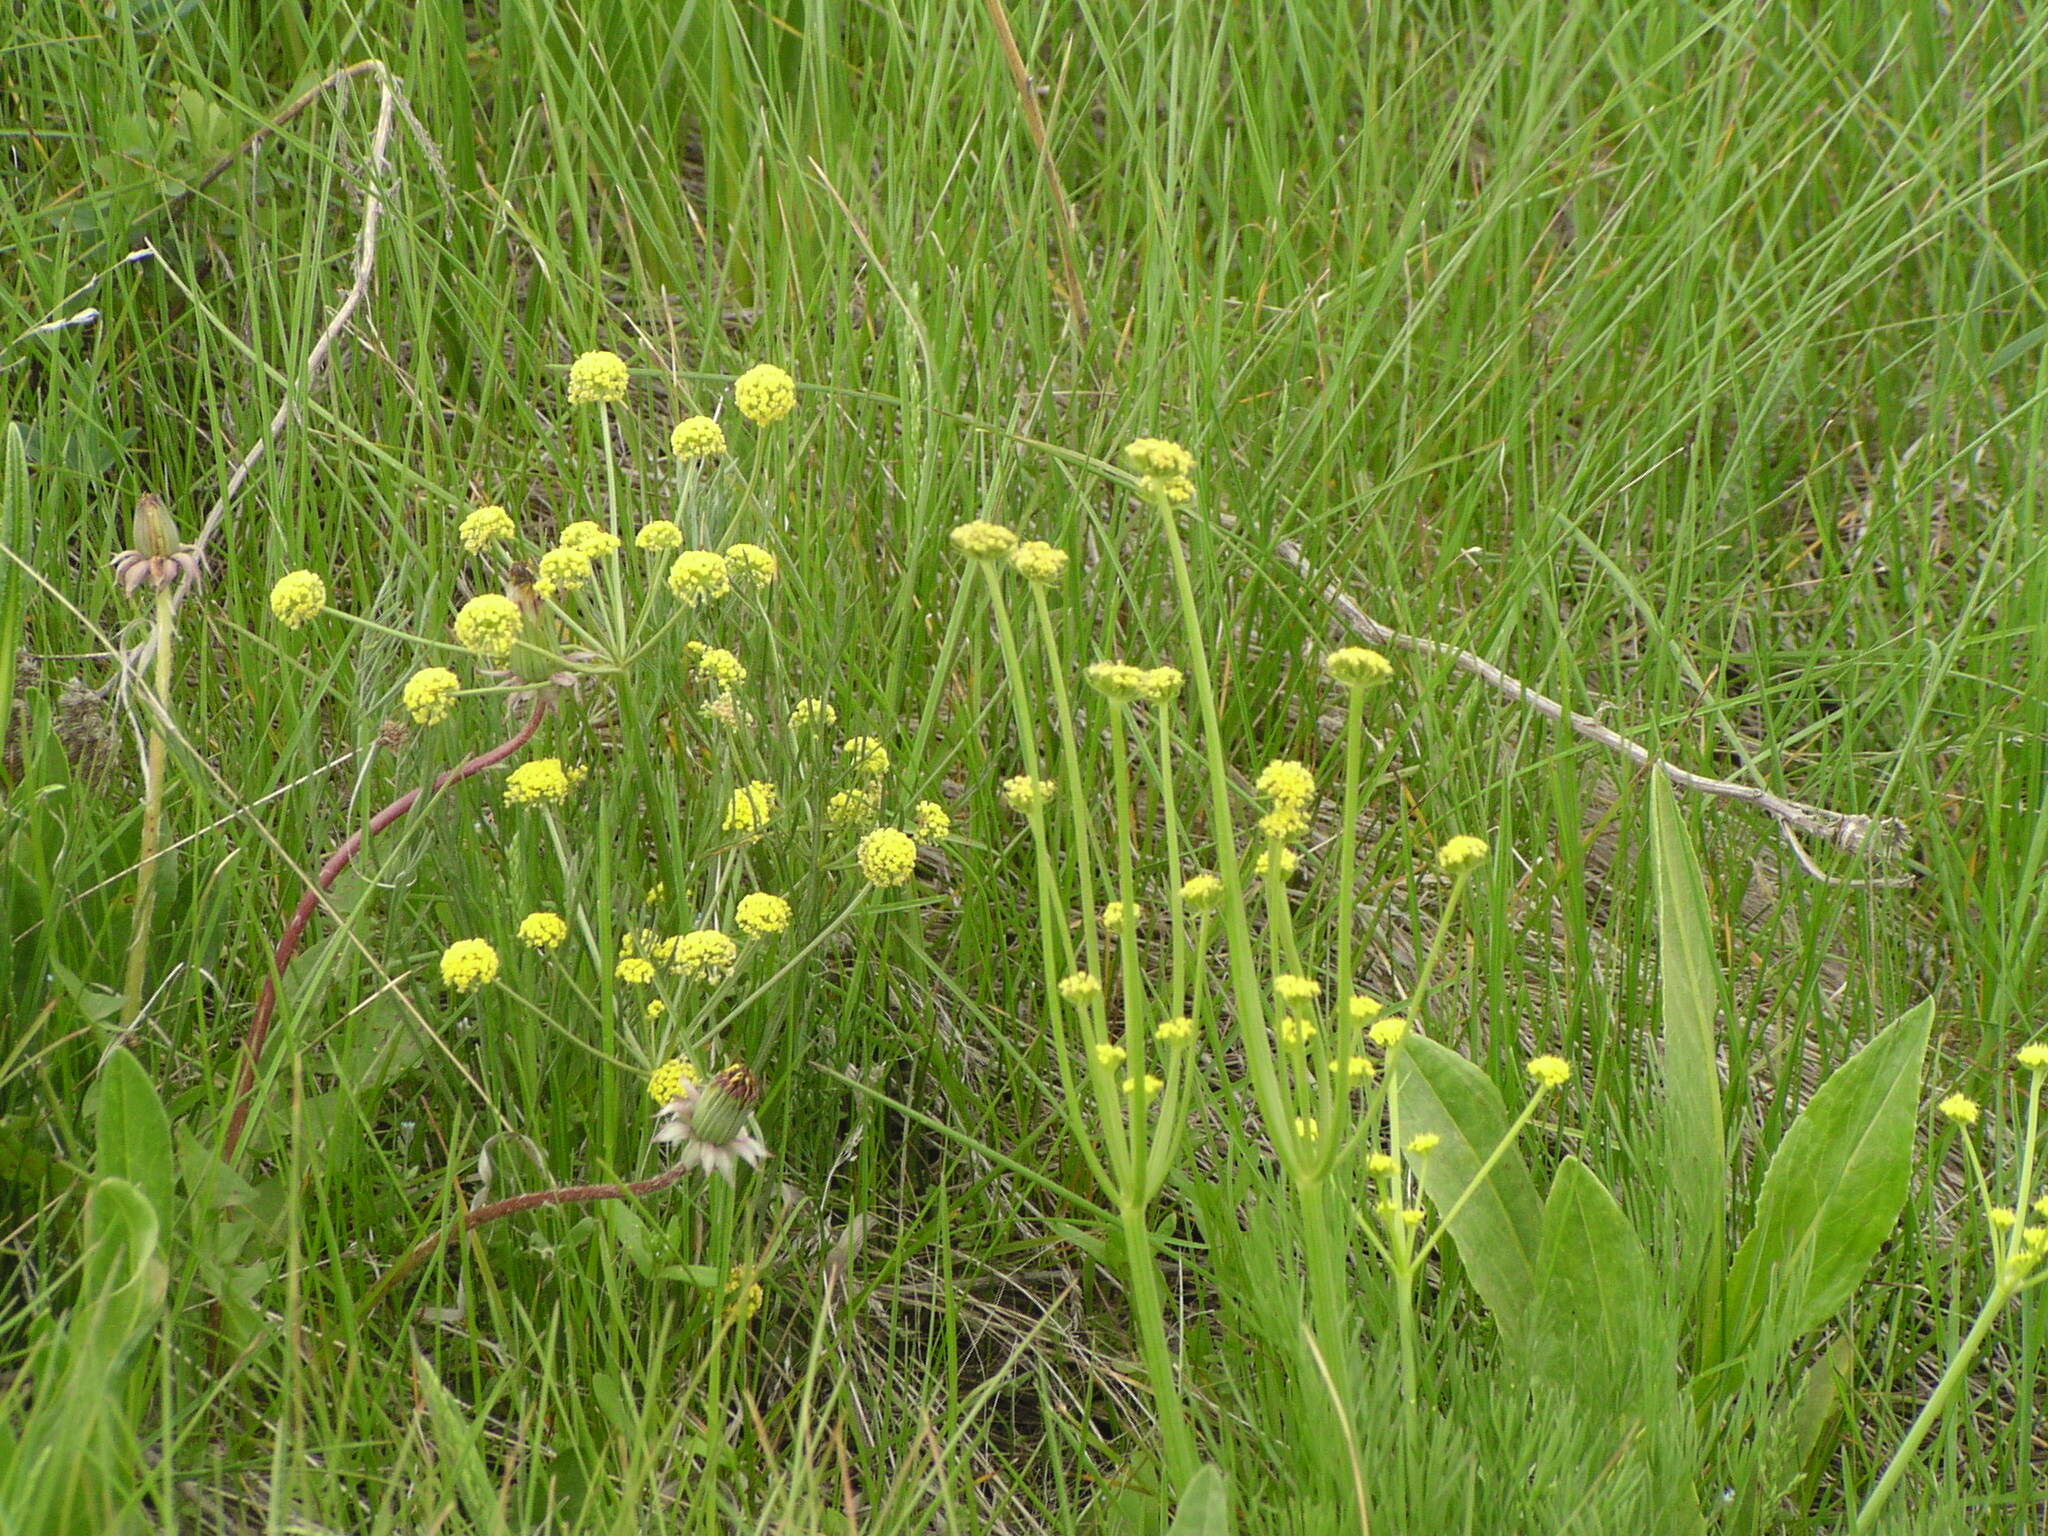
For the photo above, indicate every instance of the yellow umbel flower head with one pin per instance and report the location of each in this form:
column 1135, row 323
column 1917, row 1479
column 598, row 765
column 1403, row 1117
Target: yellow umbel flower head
column 544, row 931
column 668, row 1080
column 854, row 807
column 594, row 539
column 929, row 820
column 297, row 597
column 1026, row 794
column 1289, row 862
column 749, row 567
column 887, row 857
column 1356, row 667
column 1162, row 683
column 1389, row 1032
column 658, row 537
column 1038, row 562
column 489, row 625
column 1360, row 1009
column 1116, row 917
column 561, row 569
column 751, row 808
column 1298, row 991
column 722, row 667
column 983, row 540
column 1286, row 782
column 1549, row 1071
column 598, row 378
column 1177, row 1030
column 1961, row 1108
column 698, row 574
column 1117, row 681
column 813, row 712
column 1079, row 988
column 761, row 915
column 634, row 970
column 765, row 394
column 1284, row 823
column 1460, row 854
column 1145, row 1088
column 703, row 955
column 2032, row 1058
column 1108, row 1054
column 697, row 437
column 542, row 781
column 867, row 756
column 429, row 695
column 1201, row 893
column 468, row 964
column 1353, row 1069
column 485, row 526
column 1164, row 469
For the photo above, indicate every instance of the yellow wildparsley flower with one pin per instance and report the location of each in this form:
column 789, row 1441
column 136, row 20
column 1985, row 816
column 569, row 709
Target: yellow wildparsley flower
column 598, row 378
column 668, row 1080
column 854, row 807
column 1360, row 1009
column 751, row 808
column 1297, row 990
column 1412, row 1216
column 1353, row 1068
column 765, row 394
column 2034, row 1057
column 429, row 695
column 2003, row 1218
column 1287, row 783
column 722, row 667
column 1158, row 456
column 749, row 567
column 1202, row 893
column 1026, row 794
column 1177, row 1030
column 1290, row 861
column 867, row 755
column 658, row 537
column 1038, row 562
column 634, row 971
column 698, row 574
column 1108, row 1055
column 1959, row 1107
column 1549, row 1071
column 1116, row 916
column 1423, row 1145
column 1294, row 1030
column 1284, row 823
column 1356, row 667
column 704, row 955
column 1380, row 1166
column 489, row 625
column 655, row 1009
column 468, row 964
column 697, row 437
column 544, row 931
column 542, row 781
column 297, row 597
column 727, row 710
column 1144, row 1089
column 485, row 526
column 1161, row 683
column 594, row 539
column 812, row 712
column 887, row 857
column 983, row 540
column 1117, row 681
column 761, row 915
column 1389, row 1032
column 929, row 820
column 1460, row 854
column 561, row 569
column 751, row 1296
column 1079, row 988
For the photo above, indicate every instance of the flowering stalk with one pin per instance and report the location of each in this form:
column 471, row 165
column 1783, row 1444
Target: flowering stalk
column 152, row 816
column 294, row 931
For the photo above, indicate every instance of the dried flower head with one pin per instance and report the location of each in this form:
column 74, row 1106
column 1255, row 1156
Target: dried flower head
column 155, row 558
column 697, row 437
column 765, row 394
column 598, row 378
column 708, row 1123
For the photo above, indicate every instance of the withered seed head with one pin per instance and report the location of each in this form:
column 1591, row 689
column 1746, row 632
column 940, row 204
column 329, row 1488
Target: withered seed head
column 157, row 559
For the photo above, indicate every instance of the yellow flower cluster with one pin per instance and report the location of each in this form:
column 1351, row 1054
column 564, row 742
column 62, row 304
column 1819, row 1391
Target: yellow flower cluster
column 1026, row 794
column 543, row 781
column 1356, row 667
column 1460, row 854
column 1116, row 917
column 765, row 394
column 887, row 857
column 484, row 527
column 658, row 537
column 1287, row 783
column 468, row 964
column 429, row 695
column 1164, row 469
column 1079, row 988
column 751, row 808
column 1108, row 1055
column 1038, row 562
column 1961, row 1108
column 1360, row 1009
column 1389, row 1032
column 705, row 954
column 854, row 807
column 983, row 540
column 297, row 597
column 594, row 539
column 866, row 755
column 722, row 667
column 813, row 712
column 634, row 970
column 1144, row 1088
column 1177, row 1030
column 598, row 378
column 668, row 1080
column 749, row 567
column 697, row 437
column 929, row 820
column 1117, row 681
column 544, row 931
column 761, row 915
column 698, row 574
column 1288, row 863
column 1549, row 1071
column 1201, row 893
column 561, row 569
column 1298, row 991
column 489, row 625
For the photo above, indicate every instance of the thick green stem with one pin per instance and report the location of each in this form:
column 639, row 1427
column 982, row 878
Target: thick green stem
column 1325, row 1275
column 1347, row 844
column 1147, row 1311
column 152, row 820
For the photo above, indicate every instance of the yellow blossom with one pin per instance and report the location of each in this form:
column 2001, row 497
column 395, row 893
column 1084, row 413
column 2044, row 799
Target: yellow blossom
column 1353, row 1068
column 429, row 695
column 1116, row 916
column 1297, row 990
column 541, row 781
column 597, row 378
column 1079, row 988
column 1960, row 1108
column 655, row 1009
column 1284, row 823
column 1038, row 562
column 749, row 566
column 1290, row 861
column 697, row 437
column 1287, row 783
column 658, row 537
column 928, row 819
column 1356, row 667
column 722, row 667
column 468, row 964
column 1145, row 1089
column 489, row 625
column 1423, row 1145
column 1157, row 456
column 751, row 808
column 1460, row 854
column 1549, row 1071
column 765, row 394
column 761, row 915
column 867, row 755
column 634, row 970
column 1380, row 1166
column 668, row 1080
column 544, row 931
column 812, row 712
column 698, row 574
column 1294, row 1030
column 1108, row 1055
column 1360, row 1009
column 485, row 526
column 2003, row 1218
column 1202, row 893
column 2033, row 1058
column 1026, row 794
column 561, row 569
column 704, row 955
column 1389, row 1032
column 1117, row 681
column 1161, row 683
column 1307, row 1127
column 1177, row 1030
column 854, row 807
column 751, row 1296
column 887, row 857
column 983, row 540
column 297, row 597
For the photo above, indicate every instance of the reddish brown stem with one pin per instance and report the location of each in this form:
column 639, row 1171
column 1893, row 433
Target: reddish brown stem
column 512, row 1205
column 295, row 930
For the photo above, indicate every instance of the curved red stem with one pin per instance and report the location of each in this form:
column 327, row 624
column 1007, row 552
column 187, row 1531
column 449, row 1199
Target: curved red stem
column 295, row 930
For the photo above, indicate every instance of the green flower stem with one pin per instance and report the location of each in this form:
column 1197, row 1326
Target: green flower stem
column 1325, row 1274
column 1436, row 944
column 152, row 818
column 611, row 507
column 1500, row 1150
column 1070, row 747
column 1347, row 843
column 2014, row 1243
column 1176, row 1001
column 1406, row 1263
column 1135, row 1012
column 1936, row 1405
column 1148, row 1312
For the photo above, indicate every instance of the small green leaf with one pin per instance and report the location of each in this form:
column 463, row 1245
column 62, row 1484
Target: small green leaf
column 1204, row 1507
column 1690, row 989
column 135, row 1133
column 1589, row 1329
column 1499, row 1230
column 1834, row 1189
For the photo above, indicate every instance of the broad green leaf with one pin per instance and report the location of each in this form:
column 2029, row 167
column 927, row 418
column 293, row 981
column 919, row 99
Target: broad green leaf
column 1499, row 1230
column 1834, row 1189
column 1204, row 1508
column 134, row 1133
column 122, row 1280
column 1689, row 983
column 1589, row 1329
